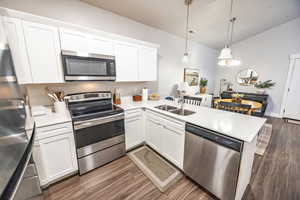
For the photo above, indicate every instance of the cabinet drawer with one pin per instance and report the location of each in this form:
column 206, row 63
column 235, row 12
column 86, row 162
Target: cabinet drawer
column 58, row 129
column 169, row 121
column 133, row 114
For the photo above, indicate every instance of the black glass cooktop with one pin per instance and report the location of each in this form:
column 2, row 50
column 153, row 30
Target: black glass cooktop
column 93, row 109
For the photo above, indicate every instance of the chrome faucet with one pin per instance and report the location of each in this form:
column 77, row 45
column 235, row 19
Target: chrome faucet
column 181, row 100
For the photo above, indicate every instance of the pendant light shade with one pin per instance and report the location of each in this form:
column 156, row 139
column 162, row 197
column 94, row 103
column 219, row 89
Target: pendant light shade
column 226, row 58
column 225, row 54
column 229, row 62
column 185, row 58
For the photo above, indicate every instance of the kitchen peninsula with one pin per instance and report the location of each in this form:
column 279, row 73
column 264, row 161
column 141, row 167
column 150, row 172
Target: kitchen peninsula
column 144, row 122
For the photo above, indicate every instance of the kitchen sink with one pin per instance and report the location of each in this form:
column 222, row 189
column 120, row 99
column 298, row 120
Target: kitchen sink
column 175, row 110
column 166, row 107
column 183, row 112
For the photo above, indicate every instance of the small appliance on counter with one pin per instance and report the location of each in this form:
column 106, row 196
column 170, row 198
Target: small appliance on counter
column 98, row 129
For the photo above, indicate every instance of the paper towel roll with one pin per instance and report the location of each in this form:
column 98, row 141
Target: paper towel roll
column 145, row 95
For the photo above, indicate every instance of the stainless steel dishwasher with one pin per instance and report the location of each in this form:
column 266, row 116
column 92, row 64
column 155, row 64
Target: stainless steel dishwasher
column 212, row 160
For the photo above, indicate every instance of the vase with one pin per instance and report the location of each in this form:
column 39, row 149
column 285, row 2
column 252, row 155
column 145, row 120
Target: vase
column 202, row 90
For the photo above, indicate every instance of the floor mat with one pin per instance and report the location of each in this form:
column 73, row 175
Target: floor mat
column 159, row 171
column 263, row 139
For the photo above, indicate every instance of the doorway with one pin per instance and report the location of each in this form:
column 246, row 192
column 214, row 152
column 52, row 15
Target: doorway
column 291, row 108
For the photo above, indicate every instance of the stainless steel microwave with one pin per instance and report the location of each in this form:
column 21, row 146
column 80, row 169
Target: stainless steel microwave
column 88, row 67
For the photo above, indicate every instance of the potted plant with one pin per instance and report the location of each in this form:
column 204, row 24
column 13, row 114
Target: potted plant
column 203, row 84
column 261, row 86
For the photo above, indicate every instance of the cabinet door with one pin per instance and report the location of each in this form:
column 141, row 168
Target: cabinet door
column 292, row 107
column 126, row 62
column 133, row 132
column 153, row 133
column 2, row 33
column 15, row 38
column 173, row 144
column 43, row 50
column 74, row 41
column 100, row 45
column 55, row 157
column 147, row 64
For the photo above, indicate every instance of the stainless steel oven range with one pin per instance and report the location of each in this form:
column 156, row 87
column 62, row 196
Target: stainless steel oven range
column 98, row 129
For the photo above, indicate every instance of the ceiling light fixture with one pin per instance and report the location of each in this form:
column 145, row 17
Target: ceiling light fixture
column 226, row 58
column 185, row 58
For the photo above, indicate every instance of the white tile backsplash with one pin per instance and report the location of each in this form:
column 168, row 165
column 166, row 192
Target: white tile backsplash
column 38, row 95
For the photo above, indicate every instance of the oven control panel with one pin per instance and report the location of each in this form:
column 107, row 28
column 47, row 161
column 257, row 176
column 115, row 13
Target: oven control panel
column 89, row 96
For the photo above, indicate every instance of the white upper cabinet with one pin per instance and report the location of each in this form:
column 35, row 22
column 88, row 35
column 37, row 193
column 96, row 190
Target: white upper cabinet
column 36, row 51
column 43, row 49
column 127, row 66
column 85, row 43
column 14, row 32
column 100, row 45
column 73, row 41
column 147, row 64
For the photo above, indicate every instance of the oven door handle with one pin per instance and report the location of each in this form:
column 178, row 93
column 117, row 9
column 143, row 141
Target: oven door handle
column 93, row 122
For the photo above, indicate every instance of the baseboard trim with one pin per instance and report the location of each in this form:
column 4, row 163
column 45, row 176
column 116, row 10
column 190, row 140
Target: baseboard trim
column 272, row 114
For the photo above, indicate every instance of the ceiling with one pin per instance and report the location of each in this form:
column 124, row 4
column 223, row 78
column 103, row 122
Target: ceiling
column 208, row 17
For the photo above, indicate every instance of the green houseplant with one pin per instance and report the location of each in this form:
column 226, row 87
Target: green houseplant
column 261, row 86
column 203, row 84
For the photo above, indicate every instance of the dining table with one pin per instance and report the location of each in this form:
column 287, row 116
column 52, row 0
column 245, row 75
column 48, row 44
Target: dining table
column 254, row 104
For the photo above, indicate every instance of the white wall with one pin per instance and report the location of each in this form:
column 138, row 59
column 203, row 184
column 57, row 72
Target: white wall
column 267, row 53
column 2, row 35
column 171, row 46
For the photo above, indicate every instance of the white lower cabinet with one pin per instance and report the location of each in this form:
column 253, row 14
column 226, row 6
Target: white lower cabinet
column 173, row 143
column 153, row 133
column 134, row 128
column 166, row 136
column 54, row 153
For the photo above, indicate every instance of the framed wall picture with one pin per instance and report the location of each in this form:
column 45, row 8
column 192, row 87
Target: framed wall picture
column 191, row 76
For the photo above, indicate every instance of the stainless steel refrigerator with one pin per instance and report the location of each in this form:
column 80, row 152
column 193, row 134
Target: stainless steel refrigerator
column 18, row 176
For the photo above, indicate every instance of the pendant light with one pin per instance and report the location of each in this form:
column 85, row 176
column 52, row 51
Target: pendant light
column 226, row 58
column 185, row 58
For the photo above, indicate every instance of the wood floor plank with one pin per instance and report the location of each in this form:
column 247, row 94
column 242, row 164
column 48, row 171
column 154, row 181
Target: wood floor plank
column 275, row 176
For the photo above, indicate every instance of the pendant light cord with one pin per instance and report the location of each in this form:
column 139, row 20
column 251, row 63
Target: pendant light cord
column 232, row 29
column 187, row 25
column 230, row 25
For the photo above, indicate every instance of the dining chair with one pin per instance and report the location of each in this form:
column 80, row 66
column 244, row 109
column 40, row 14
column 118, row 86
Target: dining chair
column 192, row 100
column 235, row 107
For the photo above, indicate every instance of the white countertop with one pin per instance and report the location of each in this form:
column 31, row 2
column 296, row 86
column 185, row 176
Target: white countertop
column 52, row 119
column 239, row 126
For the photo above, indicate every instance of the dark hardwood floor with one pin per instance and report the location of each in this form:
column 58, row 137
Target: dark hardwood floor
column 276, row 175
